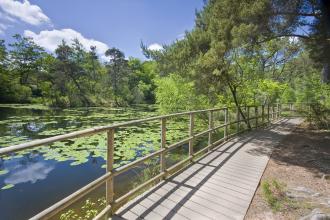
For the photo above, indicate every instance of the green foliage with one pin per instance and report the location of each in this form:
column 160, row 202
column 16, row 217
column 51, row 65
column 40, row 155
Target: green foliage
column 72, row 77
column 175, row 94
column 151, row 169
column 239, row 53
column 273, row 193
column 88, row 211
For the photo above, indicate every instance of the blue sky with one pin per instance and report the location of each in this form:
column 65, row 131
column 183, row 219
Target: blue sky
column 104, row 23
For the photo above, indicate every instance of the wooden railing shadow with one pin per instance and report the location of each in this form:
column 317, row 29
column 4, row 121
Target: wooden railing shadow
column 189, row 177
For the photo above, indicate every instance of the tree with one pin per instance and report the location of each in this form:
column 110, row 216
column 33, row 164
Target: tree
column 225, row 52
column 11, row 89
column 69, row 62
column 118, row 72
column 308, row 20
column 142, row 80
column 25, row 57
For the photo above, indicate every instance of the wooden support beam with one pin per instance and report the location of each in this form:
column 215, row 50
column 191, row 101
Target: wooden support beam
column 163, row 145
column 256, row 115
column 268, row 110
column 263, row 114
column 225, row 132
column 110, row 155
column 237, row 120
column 248, row 115
column 191, row 134
column 210, row 127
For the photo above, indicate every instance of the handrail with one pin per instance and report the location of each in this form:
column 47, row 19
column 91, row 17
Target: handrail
column 90, row 131
column 268, row 116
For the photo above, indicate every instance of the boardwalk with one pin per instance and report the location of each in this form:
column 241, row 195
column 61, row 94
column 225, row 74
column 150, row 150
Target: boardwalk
column 220, row 185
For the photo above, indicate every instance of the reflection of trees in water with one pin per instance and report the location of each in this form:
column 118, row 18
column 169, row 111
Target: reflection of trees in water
column 33, row 157
column 2, row 161
column 93, row 159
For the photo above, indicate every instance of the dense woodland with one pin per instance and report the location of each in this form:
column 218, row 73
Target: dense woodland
column 72, row 76
column 239, row 52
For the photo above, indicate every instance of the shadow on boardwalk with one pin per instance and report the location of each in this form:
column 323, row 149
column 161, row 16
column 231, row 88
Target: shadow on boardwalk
column 219, row 185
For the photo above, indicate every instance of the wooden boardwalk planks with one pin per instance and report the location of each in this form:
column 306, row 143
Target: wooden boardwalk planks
column 220, row 185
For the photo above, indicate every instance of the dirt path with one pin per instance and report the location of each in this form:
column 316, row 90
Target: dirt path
column 301, row 165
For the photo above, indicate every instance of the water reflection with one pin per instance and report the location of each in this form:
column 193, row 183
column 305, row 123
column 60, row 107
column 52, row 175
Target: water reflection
column 34, row 127
column 29, row 173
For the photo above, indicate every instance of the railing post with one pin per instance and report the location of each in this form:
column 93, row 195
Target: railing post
column 256, row 115
column 248, row 115
column 268, row 111
column 110, row 153
column 163, row 144
column 263, row 114
column 210, row 127
column 277, row 111
column 238, row 120
column 225, row 133
column 273, row 114
column 191, row 133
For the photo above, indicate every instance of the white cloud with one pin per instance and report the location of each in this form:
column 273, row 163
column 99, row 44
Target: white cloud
column 3, row 27
column 155, row 46
column 5, row 17
column 50, row 39
column 29, row 173
column 31, row 14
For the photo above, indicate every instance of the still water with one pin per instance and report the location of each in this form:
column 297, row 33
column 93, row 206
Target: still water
column 32, row 180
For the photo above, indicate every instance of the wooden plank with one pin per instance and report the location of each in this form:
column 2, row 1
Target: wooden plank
column 218, row 186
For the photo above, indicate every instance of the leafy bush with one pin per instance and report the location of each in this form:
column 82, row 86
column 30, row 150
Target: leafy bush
column 175, row 94
column 319, row 115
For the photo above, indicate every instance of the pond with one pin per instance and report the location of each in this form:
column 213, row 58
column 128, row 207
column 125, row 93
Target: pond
column 32, row 180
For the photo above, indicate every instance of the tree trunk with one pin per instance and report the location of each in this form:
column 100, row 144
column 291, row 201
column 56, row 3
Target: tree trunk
column 239, row 108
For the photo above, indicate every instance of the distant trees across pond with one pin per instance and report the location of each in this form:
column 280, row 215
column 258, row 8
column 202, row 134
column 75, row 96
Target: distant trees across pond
column 72, row 76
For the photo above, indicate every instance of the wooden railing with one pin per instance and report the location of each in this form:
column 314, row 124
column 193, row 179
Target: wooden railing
column 266, row 113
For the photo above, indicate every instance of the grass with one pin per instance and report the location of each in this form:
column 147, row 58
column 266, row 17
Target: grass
column 274, row 194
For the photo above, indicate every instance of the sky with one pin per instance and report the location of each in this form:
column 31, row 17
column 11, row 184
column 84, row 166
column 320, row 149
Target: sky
column 104, row 23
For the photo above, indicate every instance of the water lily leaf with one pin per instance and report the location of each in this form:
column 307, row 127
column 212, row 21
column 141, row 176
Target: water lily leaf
column 3, row 172
column 75, row 163
column 8, row 186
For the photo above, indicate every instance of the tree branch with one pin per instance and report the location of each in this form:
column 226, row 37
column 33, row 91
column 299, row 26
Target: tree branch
column 285, row 35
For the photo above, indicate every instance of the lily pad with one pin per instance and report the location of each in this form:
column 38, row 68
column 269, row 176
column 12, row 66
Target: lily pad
column 8, row 186
column 3, row 172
